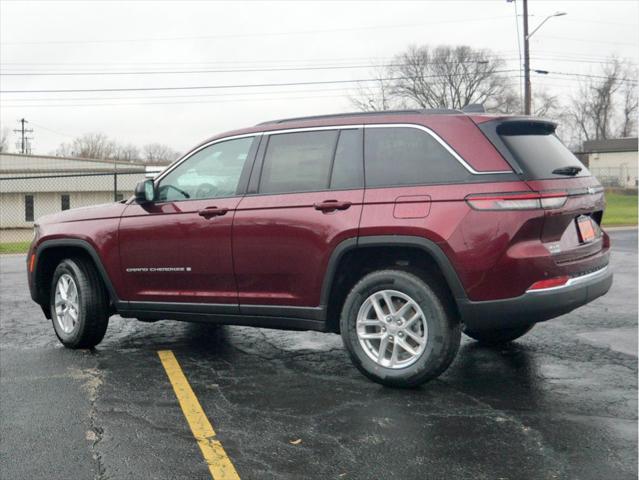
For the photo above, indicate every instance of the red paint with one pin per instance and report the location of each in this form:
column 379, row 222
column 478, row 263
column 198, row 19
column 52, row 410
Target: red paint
column 550, row 283
column 275, row 249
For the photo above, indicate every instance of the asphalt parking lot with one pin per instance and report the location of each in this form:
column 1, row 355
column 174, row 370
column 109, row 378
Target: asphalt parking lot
column 559, row 403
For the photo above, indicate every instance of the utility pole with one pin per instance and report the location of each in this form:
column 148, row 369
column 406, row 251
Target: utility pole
column 23, row 144
column 527, row 92
column 527, row 87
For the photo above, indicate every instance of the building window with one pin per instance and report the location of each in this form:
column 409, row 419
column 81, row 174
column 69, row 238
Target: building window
column 65, row 202
column 28, row 208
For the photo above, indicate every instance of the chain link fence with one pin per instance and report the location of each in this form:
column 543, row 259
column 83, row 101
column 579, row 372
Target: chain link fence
column 31, row 187
column 616, row 177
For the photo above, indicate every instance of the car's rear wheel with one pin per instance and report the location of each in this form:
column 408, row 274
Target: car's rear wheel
column 399, row 328
column 78, row 302
column 498, row 336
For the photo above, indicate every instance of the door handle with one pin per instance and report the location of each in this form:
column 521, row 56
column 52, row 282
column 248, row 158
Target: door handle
column 331, row 205
column 210, row 212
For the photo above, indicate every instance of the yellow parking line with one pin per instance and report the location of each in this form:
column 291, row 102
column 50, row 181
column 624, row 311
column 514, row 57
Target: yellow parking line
column 219, row 463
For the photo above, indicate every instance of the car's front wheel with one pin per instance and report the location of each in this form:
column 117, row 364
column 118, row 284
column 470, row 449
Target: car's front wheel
column 399, row 328
column 78, row 302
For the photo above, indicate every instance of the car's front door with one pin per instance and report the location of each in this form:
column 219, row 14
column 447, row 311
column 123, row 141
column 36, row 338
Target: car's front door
column 304, row 198
column 178, row 248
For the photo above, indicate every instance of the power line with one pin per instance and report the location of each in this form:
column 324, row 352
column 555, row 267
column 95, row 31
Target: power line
column 254, row 85
column 591, row 41
column 250, row 35
column 200, row 95
column 52, row 131
column 164, row 72
column 233, row 100
column 571, row 74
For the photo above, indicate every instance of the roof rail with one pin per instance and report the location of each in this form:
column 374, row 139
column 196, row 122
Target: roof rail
column 474, row 108
column 432, row 111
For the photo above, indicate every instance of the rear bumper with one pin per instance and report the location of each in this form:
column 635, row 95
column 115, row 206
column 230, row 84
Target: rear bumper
column 537, row 305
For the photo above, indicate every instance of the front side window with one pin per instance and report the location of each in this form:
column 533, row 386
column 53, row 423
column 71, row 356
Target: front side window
column 298, row 162
column 212, row 172
column 408, row 156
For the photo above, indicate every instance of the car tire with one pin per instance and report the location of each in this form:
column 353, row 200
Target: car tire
column 498, row 336
column 79, row 304
column 437, row 328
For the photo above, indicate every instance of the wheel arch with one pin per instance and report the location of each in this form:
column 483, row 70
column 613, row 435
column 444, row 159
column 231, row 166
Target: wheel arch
column 49, row 253
column 336, row 279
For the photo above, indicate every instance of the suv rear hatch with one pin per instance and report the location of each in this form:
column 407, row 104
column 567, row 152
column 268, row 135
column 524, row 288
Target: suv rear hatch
column 573, row 215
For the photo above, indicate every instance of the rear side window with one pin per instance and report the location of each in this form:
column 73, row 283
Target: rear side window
column 538, row 151
column 408, row 156
column 348, row 166
column 298, row 162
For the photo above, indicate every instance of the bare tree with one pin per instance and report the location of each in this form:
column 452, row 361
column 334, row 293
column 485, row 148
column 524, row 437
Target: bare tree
column 101, row 147
column 157, row 152
column 630, row 104
column 606, row 103
column 127, row 153
column 376, row 96
column 4, row 140
column 89, row 145
column 441, row 77
column 545, row 104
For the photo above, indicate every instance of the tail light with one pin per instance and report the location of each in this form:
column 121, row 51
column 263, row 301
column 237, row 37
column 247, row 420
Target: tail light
column 517, row 201
column 550, row 283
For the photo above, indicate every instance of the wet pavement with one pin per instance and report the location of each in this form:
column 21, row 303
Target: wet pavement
column 559, row 403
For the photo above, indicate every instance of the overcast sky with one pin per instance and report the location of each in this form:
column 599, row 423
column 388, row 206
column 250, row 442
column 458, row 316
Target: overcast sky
column 283, row 37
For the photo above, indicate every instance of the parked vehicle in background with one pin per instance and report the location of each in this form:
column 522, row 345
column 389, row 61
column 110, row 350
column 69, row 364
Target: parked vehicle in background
column 398, row 230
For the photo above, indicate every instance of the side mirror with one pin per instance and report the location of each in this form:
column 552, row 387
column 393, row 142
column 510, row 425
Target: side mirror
column 145, row 192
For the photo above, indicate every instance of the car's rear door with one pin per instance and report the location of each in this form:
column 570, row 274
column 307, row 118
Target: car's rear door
column 304, row 198
column 178, row 248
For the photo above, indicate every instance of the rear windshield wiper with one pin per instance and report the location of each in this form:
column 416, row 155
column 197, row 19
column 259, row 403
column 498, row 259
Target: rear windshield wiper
column 572, row 171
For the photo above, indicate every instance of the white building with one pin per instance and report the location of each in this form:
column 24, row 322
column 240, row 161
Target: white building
column 32, row 185
column 613, row 161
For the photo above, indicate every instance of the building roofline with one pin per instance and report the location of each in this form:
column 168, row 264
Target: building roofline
column 80, row 159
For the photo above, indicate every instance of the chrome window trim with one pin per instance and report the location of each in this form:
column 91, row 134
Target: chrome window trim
column 430, row 132
column 441, row 141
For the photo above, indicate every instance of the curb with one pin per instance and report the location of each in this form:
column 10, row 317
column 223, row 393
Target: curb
column 620, row 229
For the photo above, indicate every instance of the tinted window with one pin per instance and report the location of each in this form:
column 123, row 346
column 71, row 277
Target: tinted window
column 28, row 208
column 298, row 162
column 212, row 172
column 408, row 156
column 348, row 167
column 538, row 151
column 65, row 202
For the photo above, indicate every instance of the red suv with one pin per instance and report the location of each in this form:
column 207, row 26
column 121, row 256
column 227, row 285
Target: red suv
column 398, row 229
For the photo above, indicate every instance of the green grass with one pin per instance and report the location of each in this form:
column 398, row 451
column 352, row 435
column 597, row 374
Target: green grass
column 15, row 247
column 620, row 210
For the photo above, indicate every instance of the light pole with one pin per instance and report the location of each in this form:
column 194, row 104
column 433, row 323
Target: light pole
column 527, row 89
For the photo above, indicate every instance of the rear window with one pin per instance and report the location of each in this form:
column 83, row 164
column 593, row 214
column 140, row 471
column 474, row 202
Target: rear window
column 538, row 151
